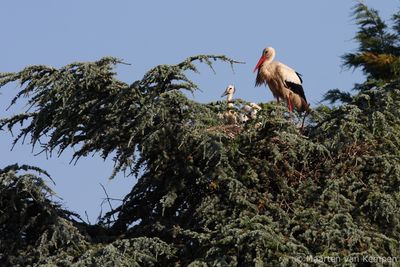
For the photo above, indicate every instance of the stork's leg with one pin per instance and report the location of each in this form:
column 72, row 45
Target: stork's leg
column 290, row 106
column 302, row 123
column 289, row 103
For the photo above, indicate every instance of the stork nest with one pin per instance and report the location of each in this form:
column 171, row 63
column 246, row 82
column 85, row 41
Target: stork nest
column 231, row 130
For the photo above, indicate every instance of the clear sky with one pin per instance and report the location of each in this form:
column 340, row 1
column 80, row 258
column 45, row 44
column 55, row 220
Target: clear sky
column 309, row 36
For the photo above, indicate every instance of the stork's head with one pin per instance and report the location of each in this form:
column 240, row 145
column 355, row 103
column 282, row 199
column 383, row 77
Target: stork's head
column 267, row 54
column 230, row 90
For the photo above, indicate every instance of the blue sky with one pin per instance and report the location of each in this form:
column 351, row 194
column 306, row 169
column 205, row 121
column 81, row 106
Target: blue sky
column 309, row 36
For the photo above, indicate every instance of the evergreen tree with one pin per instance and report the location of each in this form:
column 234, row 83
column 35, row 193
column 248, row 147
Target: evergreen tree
column 259, row 194
column 377, row 54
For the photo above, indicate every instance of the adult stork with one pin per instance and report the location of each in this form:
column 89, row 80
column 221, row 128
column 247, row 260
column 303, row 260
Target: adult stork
column 284, row 82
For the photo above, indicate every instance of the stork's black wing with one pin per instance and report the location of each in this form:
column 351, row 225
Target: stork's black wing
column 296, row 88
column 299, row 75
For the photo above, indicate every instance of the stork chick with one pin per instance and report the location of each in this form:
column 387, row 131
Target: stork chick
column 284, row 82
column 229, row 91
column 251, row 109
column 229, row 115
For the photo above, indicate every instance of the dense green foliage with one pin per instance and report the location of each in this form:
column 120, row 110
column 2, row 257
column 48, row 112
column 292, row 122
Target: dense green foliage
column 256, row 194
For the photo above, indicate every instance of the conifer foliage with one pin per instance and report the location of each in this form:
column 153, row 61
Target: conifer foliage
column 378, row 50
column 264, row 195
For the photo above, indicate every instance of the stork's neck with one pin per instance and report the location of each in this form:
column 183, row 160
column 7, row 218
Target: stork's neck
column 266, row 64
column 269, row 58
column 229, row 99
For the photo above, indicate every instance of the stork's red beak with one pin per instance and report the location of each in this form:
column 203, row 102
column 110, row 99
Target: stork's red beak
column 260, row 62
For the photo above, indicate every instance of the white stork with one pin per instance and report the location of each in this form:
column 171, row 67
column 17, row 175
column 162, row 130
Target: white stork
column 252, row 109
column 284, row 82
column 229, row 91
column 230, row 114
